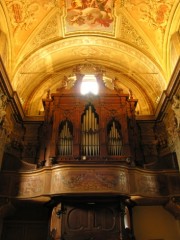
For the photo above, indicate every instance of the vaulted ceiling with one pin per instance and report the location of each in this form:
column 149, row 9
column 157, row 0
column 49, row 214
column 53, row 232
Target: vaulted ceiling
column 43, row 41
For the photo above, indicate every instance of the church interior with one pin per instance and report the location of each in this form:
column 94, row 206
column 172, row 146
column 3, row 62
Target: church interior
column 89, row 119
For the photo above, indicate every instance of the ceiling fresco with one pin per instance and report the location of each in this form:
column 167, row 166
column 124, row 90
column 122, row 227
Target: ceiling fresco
column 43, row 42
column 89, row 15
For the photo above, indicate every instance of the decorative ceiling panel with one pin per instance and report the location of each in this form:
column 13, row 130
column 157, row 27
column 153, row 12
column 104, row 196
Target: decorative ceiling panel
column 89, row 16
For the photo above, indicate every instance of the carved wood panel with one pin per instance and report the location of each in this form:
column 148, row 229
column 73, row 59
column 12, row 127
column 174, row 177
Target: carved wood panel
column 91, row 221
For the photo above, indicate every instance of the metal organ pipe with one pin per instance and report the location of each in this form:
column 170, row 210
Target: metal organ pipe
column 114, row 141
column 90, row 134
column 65, row 140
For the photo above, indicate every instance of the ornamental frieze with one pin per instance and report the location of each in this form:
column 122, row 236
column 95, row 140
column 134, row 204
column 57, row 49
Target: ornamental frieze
column 88, row 179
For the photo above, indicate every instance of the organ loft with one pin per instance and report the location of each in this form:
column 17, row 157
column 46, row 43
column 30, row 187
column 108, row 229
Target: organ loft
column 93, row 127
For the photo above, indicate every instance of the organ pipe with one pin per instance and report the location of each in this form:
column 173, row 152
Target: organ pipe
column 65, row 140
column 90, row 132
column 114, row 139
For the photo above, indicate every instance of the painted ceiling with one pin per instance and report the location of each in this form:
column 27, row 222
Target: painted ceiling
column 43, row 42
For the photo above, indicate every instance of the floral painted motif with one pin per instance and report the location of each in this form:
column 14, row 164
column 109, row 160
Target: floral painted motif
column 22, row 13
column 154, row 12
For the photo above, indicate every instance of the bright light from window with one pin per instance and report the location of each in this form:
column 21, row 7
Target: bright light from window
column 89, row 85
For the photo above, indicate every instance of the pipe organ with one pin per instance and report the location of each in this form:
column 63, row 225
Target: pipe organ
column 93, row 131
column 91, row 127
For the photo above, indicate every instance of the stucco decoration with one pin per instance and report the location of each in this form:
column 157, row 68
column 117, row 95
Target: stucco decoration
column 47, row 32
column 129, row 34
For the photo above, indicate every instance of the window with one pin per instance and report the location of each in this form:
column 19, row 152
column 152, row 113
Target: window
column 89, row 85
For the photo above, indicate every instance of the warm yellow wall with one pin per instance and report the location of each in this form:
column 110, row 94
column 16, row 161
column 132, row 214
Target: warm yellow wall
column 155, row 223
column 175, row 50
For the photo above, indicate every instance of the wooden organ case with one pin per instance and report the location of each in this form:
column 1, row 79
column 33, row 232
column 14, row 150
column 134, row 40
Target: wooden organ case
column 93, row 131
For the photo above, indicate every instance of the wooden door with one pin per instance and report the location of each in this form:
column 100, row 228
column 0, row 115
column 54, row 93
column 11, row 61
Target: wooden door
column 91, row 221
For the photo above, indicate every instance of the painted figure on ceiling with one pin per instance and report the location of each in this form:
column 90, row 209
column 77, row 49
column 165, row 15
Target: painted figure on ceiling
column 91, row 13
